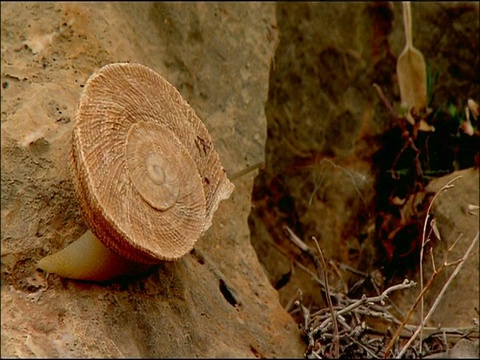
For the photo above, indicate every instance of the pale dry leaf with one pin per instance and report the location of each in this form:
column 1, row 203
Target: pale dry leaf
column 474, row 108
column 412, row 74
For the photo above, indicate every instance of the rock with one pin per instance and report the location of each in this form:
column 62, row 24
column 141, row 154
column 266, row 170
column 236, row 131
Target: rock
column 325, row 120
column 456, row 219
column 214, row 302
column 463, row 349
column 316, row 179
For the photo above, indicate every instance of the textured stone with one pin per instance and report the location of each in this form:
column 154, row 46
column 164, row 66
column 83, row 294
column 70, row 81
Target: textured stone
column 214, row 302
column 325, row 121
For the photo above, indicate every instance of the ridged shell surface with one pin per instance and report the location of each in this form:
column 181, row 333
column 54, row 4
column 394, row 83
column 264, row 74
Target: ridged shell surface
column 146, row 173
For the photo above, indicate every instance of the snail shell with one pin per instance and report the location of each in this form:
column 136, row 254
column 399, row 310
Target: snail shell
column 145, row 171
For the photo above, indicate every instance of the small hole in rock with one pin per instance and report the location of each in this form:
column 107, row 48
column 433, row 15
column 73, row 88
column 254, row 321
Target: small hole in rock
column 200, row 259
column 226, row 293
column 257, row 353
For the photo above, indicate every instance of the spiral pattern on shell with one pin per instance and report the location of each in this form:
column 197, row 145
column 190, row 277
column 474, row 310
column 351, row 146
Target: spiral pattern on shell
column 145, row 170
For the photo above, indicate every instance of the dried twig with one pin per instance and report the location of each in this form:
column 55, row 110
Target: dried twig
column 370, row 352
column 336, row 349
column 459, row 331
column 410, row 312
column 449, row 185
column 414, row 306
column 305, row 248
column 298, row 295
column 440, row 295
column 387, row 104
column 337, row 325
column 366, row 301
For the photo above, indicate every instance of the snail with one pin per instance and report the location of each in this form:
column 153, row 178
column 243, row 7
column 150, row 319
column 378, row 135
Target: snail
column 146, row 175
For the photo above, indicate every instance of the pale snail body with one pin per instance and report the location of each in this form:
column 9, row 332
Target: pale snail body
column 146, row 175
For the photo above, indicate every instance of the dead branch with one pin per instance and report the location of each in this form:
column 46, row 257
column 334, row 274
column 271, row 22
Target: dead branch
column 440, row 295
column 336, row 349
column 447, row 186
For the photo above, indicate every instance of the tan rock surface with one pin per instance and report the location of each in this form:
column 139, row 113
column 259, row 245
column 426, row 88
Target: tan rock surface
column 214, row 302
column 322, row 116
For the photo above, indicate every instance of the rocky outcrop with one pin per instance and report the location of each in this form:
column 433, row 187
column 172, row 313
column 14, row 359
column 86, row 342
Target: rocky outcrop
column 326, row 121
column 214, row 302
column 306, row 107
